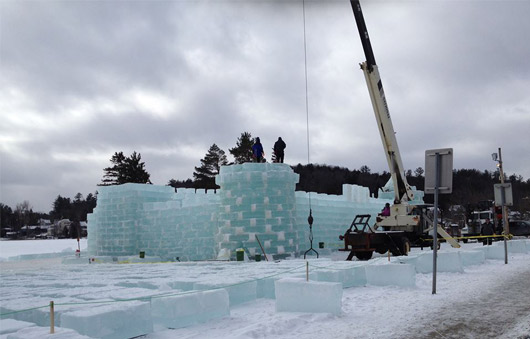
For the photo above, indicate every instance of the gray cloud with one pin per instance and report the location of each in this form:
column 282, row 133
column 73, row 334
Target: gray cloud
column 82, row 80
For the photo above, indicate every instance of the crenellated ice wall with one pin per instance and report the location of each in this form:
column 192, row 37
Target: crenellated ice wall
column 254, row 200
column 333, row 214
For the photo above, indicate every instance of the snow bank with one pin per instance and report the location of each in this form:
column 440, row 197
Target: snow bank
column 44, row 333
column 12, row 325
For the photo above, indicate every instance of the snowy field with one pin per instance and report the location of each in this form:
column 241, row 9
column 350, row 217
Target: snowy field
column 478, row 296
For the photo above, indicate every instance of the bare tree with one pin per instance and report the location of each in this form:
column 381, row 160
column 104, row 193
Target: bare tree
column 23, row 211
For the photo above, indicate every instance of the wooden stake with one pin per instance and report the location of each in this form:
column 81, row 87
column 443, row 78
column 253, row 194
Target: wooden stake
column 307, row 270
column 388, row 255
column 52, row 318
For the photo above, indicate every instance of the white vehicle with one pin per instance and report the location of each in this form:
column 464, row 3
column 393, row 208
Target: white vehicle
column 474, row 224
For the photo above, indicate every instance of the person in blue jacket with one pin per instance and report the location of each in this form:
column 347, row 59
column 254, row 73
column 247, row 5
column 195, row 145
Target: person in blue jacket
column 257, row 151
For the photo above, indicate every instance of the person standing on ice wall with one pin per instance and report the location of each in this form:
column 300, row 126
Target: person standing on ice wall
column 487, row 229
column 279, row 146
column 257, row 151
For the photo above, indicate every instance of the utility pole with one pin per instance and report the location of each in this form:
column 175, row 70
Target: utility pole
column 504, row 208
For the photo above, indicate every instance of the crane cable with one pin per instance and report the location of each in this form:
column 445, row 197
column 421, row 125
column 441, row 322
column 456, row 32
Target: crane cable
column 310, row 217
column 306, row 96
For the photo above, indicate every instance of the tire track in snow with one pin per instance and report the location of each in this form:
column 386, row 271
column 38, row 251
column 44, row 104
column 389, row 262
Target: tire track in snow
column 492, row 315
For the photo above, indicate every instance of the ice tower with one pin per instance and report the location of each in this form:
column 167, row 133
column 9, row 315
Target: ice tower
column 257, row 199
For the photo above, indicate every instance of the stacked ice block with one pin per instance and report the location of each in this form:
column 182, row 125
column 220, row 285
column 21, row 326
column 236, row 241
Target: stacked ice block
column 257, row 199
column 113, row 227
column 181, row 228
column 333, row 214
column 135, row 218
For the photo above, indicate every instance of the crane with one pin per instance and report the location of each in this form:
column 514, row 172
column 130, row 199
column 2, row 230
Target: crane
column 400, row 217
column 405, row 225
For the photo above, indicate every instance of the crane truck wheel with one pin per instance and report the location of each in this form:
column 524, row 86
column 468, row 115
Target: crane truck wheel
column 364, row 255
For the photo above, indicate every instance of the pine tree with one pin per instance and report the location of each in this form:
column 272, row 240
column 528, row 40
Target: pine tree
column 274, row 158
column 113, row 173
column 243, row 151
column 135, row 170
column 210, row 165
column 125, row 169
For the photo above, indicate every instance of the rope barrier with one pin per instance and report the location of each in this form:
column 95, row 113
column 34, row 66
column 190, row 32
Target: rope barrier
column 509, row 236
column 155, row 296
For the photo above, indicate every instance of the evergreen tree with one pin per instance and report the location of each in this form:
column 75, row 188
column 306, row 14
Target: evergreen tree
column 188, row 183
column 125, row 169
column 205, row 174
column 274, row 158
column 62, row 208
column 243, row 151
column 6, row 218
column 135, row 170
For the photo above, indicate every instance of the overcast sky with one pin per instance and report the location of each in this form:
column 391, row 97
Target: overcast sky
column 81, row 80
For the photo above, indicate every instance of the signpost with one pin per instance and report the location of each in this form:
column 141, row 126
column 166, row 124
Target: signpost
column 503, row 197
column 503, row 192
column 438, row 180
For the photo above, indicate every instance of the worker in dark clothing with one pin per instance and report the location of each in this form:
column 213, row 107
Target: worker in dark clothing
column 257, row 151
column 487, row 230
column 279, row 146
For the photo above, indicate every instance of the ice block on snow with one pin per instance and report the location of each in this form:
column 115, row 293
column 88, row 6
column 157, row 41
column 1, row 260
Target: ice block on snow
column 299, row 295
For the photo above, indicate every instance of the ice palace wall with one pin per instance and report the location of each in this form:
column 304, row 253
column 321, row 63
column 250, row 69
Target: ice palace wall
column 254, row 201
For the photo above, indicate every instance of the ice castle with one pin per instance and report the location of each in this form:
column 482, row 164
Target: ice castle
column 255, row 201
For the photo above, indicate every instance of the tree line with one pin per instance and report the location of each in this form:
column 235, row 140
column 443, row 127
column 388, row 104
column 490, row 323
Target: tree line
column 75, row 209
column 470, row 186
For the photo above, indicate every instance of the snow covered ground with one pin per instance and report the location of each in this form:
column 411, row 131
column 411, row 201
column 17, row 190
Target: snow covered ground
column 487, row 300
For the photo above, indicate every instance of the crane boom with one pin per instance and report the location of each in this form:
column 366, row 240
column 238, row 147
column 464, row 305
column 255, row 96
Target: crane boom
column 402, row 190
column 402, row 217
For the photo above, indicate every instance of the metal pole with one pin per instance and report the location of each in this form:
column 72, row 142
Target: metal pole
column 435, row 222
column 504, row 214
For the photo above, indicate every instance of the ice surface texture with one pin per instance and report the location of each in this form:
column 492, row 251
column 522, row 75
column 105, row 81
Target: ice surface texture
column 254, row 200
column 299, row 295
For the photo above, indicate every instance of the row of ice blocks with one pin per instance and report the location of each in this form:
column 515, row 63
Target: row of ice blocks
column 332, row 216
column 132, row 218
column 116, row 216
